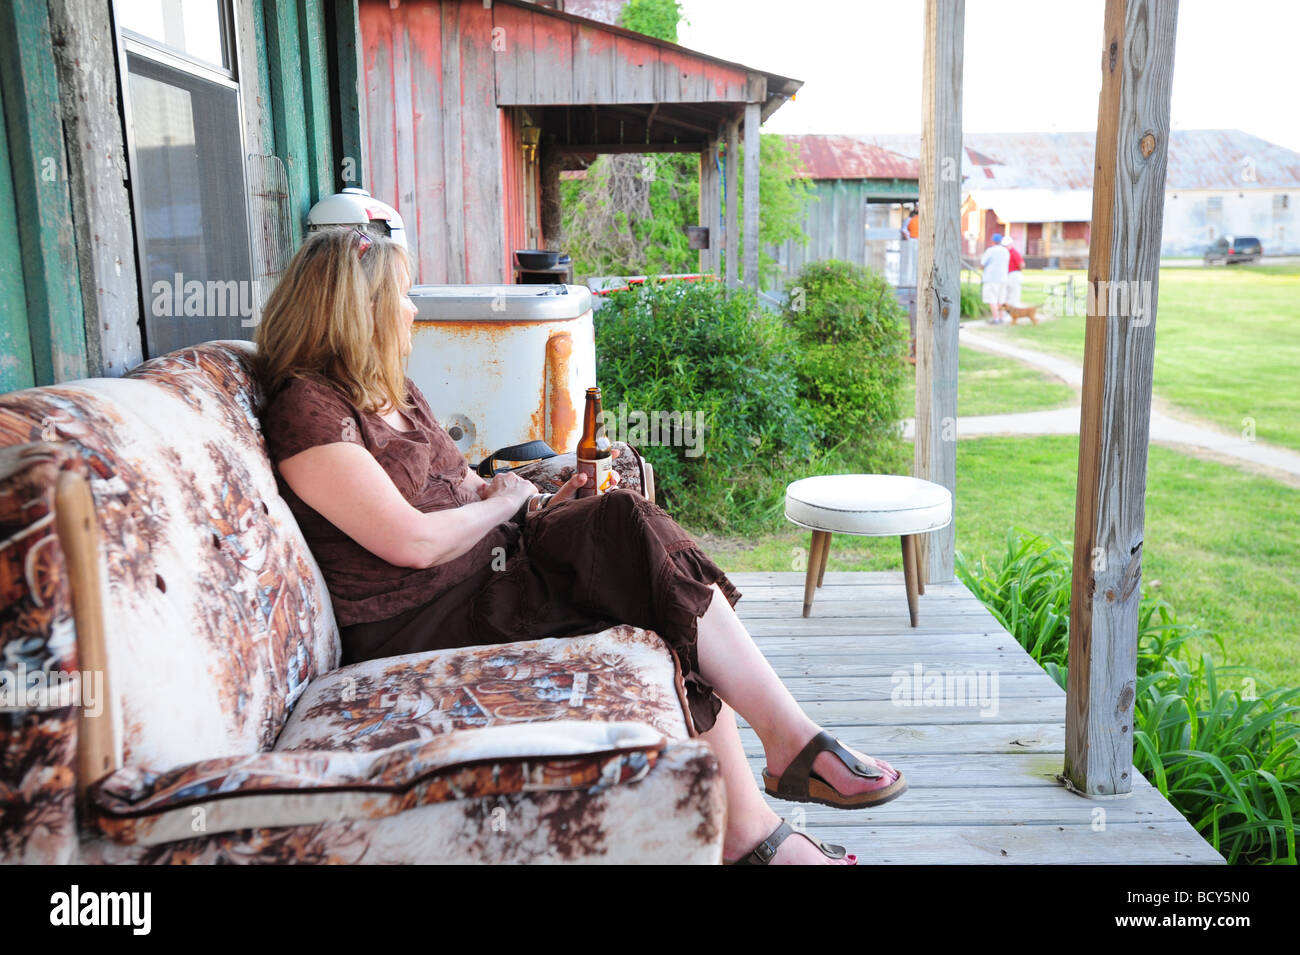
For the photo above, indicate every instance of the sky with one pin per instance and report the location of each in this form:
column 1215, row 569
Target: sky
column 1030, row 65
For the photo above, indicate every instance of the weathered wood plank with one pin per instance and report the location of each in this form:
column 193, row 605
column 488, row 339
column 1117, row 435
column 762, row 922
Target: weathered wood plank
column 288, row 108
column 16, row 370
column 430, row 133
column 595, row 67
column 972, row 611
column 939, row 279
column 82, row 38
column 346, row 51
column 987, row 706
column 1119, row 844
column 316, row 100
column 819, row 687
column 968, row 740
column 453, row 158
column 885, row 663
column 552, row 43
column 51, row 284
column 638, row 69
column 731, row 198
column 513, row 59
column 989, row 806
column 945, row 772
column 480, row 143
column 1119, row 350
column 752, row 153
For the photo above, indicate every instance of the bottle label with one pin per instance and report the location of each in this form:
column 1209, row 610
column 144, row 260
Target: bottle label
column 598, row 475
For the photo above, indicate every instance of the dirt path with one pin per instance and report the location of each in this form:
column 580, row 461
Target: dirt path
column 1201, row 438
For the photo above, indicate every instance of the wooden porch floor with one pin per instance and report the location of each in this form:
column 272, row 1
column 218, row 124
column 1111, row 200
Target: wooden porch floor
column 982, row 786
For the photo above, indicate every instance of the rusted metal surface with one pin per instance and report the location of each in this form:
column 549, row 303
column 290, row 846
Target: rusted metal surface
column 515, row 374
column 850, row 157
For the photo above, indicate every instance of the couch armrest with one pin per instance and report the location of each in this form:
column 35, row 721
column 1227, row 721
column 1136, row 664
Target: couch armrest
column 306, row 787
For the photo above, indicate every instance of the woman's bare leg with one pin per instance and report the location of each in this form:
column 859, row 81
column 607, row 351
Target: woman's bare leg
column 740, row 673
column 749, row 818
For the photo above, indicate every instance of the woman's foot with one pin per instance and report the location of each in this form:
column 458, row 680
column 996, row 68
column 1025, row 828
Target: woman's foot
column 830, row 767
column 746, row 836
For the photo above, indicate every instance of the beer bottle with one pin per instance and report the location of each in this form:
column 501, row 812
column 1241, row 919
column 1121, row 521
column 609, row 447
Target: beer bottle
column 593, row 450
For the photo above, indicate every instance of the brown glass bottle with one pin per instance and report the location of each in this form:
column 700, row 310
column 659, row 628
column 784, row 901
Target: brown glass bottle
column 593, row 450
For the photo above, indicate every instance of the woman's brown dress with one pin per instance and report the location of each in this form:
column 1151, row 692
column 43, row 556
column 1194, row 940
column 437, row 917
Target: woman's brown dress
column 577, row 567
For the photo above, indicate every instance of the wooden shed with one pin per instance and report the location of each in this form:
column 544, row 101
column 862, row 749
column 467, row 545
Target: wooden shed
column 472, row 110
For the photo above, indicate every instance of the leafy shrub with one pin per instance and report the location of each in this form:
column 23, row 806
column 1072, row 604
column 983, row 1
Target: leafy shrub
column 699, row 348
column 852, row 364
column 1228, row 761
column 972, row 300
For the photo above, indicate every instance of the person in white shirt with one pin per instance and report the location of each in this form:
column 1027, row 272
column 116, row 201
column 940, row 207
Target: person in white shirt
column 995, row 261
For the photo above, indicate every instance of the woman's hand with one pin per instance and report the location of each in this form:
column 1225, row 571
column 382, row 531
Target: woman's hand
column 571, row 486
column 509, row 485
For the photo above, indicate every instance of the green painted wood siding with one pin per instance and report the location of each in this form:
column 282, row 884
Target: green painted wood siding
column 41, row 204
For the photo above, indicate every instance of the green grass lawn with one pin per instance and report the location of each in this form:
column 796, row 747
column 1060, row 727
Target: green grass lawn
column 992, row 384
column 1220, row 544
column 1227, row 343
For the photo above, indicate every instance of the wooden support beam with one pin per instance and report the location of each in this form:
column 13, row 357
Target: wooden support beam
column 938, row 294
column 285, row 74
column 316, row 68
column 711, row 208
column 570, row 148
column 1128, row 196
column 752, row 125
column 731, row 192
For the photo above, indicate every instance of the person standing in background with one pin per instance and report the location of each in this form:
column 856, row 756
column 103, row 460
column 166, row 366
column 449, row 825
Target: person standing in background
column 1015, row 273
column 994, row 262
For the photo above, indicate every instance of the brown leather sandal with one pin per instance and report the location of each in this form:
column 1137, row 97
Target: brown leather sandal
column 766, row 850
column 800, row 784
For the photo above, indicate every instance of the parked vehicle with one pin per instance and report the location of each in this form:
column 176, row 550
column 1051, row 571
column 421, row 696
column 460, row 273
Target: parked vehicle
column 1234, row 248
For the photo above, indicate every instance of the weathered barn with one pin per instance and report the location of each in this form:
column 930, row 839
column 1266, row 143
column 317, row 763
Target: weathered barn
column 473, row 110
column 858, row 196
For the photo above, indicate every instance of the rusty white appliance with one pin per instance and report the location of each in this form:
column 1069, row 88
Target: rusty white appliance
column 504, row 364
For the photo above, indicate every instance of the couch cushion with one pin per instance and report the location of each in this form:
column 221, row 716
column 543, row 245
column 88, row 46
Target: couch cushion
column 304, row 787
column 623, row 674
column 216, row 615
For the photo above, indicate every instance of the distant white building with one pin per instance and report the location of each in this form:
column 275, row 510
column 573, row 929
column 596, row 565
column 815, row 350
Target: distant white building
column 1038, row 187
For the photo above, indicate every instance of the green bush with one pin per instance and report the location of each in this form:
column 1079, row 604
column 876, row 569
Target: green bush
column 972, row 301
column 1228, row 760
column 852, row 364
column 700, row 349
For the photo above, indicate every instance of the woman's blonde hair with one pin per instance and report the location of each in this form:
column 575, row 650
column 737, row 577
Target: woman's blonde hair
column 337, row 315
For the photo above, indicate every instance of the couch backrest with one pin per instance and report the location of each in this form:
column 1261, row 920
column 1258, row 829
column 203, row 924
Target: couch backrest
column 217, row 616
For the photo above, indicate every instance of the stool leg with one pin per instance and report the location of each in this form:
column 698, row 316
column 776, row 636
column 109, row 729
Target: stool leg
column 820, row 540
column 909, row 575
column 826, row 552
column 916, row 568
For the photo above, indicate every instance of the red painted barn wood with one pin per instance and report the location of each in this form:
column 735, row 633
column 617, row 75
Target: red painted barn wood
column 1124, row 260
column 448, row 84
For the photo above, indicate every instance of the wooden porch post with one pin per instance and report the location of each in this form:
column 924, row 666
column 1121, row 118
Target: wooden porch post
column 711, row 208
column 731, row 169
column 752, row 123
column 1123, row 269
column 938, row 294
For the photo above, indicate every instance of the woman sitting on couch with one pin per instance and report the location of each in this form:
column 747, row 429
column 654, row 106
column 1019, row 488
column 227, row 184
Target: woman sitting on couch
column 411, row 541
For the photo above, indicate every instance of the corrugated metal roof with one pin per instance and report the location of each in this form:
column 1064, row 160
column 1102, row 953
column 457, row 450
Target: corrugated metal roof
column 1198, row 159
column 848, row 157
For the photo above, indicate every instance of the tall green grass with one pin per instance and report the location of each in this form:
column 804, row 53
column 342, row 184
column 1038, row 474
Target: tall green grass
column 1228, row 758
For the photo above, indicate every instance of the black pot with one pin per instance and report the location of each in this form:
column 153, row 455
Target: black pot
column 536, row 258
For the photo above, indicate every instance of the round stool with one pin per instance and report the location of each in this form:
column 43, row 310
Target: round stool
column 869, row 505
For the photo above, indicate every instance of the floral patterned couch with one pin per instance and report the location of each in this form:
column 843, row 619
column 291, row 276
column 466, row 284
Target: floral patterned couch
column 230, row 732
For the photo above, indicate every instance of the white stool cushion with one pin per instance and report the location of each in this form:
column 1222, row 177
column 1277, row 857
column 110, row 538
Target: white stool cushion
column 868, row 504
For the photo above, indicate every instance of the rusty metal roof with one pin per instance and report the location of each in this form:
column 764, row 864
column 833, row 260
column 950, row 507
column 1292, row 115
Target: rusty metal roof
column 1198, row 159
column 849, row 157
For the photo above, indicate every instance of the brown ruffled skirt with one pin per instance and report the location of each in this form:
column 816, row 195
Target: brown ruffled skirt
column 581, row 565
